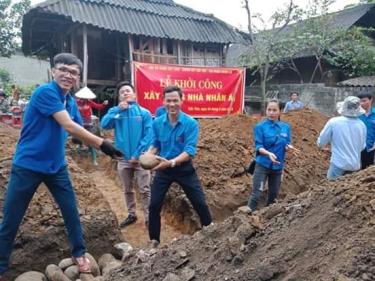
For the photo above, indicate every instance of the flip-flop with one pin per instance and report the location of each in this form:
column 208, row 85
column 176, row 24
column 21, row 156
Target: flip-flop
column 83, row 263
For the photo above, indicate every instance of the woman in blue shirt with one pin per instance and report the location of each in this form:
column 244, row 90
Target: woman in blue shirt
column 272, row 138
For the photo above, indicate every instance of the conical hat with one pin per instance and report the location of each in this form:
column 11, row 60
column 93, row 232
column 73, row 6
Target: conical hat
column 85, row 93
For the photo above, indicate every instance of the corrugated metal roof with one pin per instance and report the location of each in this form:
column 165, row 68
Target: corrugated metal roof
column 141, row 17
column 363, row 81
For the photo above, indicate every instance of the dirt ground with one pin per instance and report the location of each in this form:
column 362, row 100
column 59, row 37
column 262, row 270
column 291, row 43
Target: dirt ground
column 272, row 245
column 326, row 233
column 41, row 239
column 226, row 148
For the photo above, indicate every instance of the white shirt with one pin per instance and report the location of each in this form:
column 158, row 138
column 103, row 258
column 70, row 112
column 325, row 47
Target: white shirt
column 348, row 138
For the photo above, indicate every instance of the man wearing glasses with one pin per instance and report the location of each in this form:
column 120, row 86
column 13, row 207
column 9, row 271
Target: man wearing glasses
column 40, row 157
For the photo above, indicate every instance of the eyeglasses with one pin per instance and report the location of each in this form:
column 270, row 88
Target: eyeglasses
column 74, row 73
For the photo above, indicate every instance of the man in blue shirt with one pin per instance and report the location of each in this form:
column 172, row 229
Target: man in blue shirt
column 347, row 136
column 40, row 157
column 133, row 133
column 367, row 155
column 294, row 103
column 175, row 137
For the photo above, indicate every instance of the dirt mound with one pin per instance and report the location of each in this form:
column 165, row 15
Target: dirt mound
column 41, row 239
column 326, row 233
column 226, row 147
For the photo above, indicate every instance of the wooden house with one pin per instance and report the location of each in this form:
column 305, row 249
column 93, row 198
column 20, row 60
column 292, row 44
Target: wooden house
column 108, row 35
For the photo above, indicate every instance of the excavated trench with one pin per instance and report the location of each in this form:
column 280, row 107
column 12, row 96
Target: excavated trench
column 225, row 148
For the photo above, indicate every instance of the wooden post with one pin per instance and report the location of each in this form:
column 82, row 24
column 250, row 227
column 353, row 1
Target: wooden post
column 85, row 55
column 118, row 58
column 131, row 49
column 178, row 52
column 73, row 42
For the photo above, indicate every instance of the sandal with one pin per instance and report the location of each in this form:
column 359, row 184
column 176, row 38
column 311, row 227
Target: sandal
column 83, row 263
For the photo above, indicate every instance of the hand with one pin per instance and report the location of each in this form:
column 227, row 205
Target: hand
column 76, row 141
column 123, row 105
column 108, row 148
column 164, row 164
column 273, row 158
column 294, row 150
column 105, row 102
column 134, row 161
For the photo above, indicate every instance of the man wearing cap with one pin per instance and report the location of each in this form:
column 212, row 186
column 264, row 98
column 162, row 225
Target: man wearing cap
column 347, row 136
column 40, row 157
column 368, row 118
column 133, row 133
column 85, row 106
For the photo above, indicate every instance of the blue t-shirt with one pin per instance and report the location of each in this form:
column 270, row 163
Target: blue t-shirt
column 369, row 121
column 160, row 111
column 274, row 137
column 41, row 147
column 171, row 140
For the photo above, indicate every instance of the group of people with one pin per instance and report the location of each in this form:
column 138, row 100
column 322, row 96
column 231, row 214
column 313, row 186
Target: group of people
column 53, row 113
column 173, row 136
column 13, row 106
column 351, row 136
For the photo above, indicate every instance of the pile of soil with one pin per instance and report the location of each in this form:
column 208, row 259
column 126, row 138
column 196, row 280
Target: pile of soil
column 326, row 233
column 226, row 147
column 42, row 238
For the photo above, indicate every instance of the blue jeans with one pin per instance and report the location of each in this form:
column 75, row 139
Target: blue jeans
column 186, row 177
column 261, row 174
column 22, row 185
column 334, row 172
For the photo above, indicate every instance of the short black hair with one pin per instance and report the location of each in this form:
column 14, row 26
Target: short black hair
column 170, row 89
column 122, row 84
column 68, row 59
column 365, row 94
column 291, row 93
column 274, row 101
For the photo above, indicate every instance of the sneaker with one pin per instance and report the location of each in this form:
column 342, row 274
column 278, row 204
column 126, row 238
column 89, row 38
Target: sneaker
column 245, row 209
column 83, row 264
column 129, row 220
column 153, row 244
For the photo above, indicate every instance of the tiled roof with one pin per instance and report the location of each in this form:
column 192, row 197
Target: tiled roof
column 364, row 81
column 154, row 18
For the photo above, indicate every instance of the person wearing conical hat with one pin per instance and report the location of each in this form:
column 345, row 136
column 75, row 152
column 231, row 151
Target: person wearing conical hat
column 85, row 106
column 347, row 136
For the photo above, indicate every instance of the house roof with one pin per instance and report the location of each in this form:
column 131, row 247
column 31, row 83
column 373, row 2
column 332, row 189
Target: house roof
column 363, row 81
column 153, row 18
column 361, row 15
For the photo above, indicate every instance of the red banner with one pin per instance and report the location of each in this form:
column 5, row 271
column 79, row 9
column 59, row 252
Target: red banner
column 208, row 91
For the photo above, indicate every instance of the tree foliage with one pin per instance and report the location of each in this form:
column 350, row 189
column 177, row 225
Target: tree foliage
column 266, row 51
column 354, row 53
column 10, row 24
column 318, row 35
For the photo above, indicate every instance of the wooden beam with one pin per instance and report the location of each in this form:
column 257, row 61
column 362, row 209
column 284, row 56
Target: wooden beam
column 73, row 43
column 131, row 50
column 85, row 55
column 178, row 52
column 101, row 82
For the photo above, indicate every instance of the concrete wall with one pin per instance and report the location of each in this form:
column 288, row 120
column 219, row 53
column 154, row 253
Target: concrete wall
column 25, row 71
column 316, row 96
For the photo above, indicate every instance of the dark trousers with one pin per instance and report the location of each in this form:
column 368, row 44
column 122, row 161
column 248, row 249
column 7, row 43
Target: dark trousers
column 367, row 158
column 22, row 185
column 186, row 177
column 261, row 174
